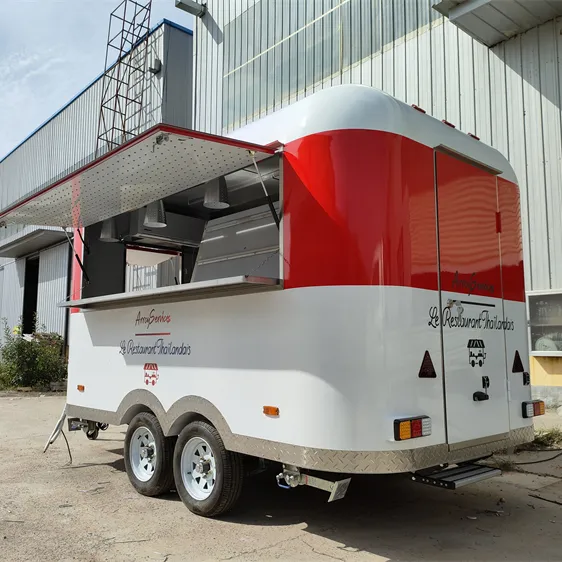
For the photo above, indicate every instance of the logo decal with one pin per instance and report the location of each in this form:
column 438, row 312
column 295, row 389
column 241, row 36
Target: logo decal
column 151, row 375
column 454, row 315
column 152, row 318
column 476, row 352
column 470, row 284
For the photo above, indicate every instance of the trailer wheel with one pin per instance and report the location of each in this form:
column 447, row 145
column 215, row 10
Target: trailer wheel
column 148, row 456
column 208, row 477
column 92, row 434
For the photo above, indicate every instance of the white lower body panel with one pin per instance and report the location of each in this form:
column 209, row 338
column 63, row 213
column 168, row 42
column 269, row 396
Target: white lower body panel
column 340, row 363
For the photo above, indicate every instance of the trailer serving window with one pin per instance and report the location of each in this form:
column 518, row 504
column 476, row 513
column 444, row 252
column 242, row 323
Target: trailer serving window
column 192, row 213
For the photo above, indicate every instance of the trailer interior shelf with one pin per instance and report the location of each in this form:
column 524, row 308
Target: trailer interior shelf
column 190, row 291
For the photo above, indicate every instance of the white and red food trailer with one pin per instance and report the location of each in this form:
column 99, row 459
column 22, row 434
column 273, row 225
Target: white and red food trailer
column 361, row 311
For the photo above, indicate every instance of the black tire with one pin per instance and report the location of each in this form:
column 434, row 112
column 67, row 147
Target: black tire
column 229, row 472
column 92, row 435
column 162, row 479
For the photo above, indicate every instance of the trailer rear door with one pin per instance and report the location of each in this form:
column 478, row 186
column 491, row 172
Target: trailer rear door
column 472, row 320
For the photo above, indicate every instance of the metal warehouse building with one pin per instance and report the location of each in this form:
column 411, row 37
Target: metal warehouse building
column 34, row 276
column 489, row 67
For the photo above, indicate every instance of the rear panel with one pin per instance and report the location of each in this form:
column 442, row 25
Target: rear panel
column 472, row 321
column 513, row 280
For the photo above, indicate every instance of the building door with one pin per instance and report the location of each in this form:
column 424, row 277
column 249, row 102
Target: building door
column 30, row 289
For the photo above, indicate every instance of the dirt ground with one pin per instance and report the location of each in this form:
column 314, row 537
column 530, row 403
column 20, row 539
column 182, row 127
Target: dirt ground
column 88, row 511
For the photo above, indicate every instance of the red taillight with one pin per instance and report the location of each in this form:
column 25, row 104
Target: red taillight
column 533, row 408
column 409, row 428
column 416, row 428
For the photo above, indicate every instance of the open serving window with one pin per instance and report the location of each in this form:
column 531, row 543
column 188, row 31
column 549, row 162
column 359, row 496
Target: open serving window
column 171, row 215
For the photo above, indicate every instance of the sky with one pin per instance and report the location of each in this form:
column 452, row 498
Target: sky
column 49, row 51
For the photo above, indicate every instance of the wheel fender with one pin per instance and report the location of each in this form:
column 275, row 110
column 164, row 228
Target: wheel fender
column 177, row 417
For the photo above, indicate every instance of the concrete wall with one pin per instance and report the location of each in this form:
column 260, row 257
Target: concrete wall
column 546, row 378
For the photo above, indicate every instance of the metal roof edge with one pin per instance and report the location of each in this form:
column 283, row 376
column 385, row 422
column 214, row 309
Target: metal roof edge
column 175, row 26
column 90, row 84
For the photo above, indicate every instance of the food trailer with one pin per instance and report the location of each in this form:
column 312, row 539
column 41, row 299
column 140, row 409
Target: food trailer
column 337, row 257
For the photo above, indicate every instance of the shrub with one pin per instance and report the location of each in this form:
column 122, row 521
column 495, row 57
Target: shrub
column 548, row 437
column 31, row 361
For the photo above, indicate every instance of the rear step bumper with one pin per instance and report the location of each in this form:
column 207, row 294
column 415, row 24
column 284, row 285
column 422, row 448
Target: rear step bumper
column 456, row 477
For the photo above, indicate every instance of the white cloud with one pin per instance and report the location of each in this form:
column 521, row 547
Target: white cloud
column 49, row 51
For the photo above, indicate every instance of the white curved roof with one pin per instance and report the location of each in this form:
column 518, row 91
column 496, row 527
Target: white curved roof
column 362, row 107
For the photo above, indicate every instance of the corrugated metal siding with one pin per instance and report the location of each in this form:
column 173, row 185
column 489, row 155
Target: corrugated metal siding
column 264, row 55
column 12, row 293
column 53, row 288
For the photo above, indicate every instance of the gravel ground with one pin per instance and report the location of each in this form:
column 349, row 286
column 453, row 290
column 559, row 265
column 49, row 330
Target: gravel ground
column 88, row 511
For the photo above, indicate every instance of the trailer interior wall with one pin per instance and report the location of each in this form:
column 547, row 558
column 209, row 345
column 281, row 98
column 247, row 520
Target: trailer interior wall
column 253, row 57
column 142, row 278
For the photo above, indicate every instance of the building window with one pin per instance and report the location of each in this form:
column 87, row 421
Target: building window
column 545, row 320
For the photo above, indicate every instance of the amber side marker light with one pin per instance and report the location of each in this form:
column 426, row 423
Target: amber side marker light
column 410, row 428
column 81, row 388
column 533, row 408
column 271, row 410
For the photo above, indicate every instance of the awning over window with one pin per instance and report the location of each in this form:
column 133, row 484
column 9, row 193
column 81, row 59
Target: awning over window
column 161, row 162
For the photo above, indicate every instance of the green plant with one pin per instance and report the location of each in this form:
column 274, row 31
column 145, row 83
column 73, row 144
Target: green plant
column 31, row 361
column 548, row 437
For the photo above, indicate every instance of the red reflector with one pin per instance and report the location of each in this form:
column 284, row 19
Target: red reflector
column 537, row 408
column 418, row 108
column 416, row 428
column 427, row 370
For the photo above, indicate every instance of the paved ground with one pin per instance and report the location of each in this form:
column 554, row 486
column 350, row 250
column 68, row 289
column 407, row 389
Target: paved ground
column 89, row 512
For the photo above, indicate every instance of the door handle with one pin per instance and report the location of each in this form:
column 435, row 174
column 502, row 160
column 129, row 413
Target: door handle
column 479, row 396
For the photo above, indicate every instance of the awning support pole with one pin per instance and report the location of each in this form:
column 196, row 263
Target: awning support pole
column 86, row 278
column 86, row 247
column 269, row 200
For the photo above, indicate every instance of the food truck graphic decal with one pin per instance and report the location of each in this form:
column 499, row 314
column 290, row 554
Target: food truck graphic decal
column 476, row 352
column 151, row 375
